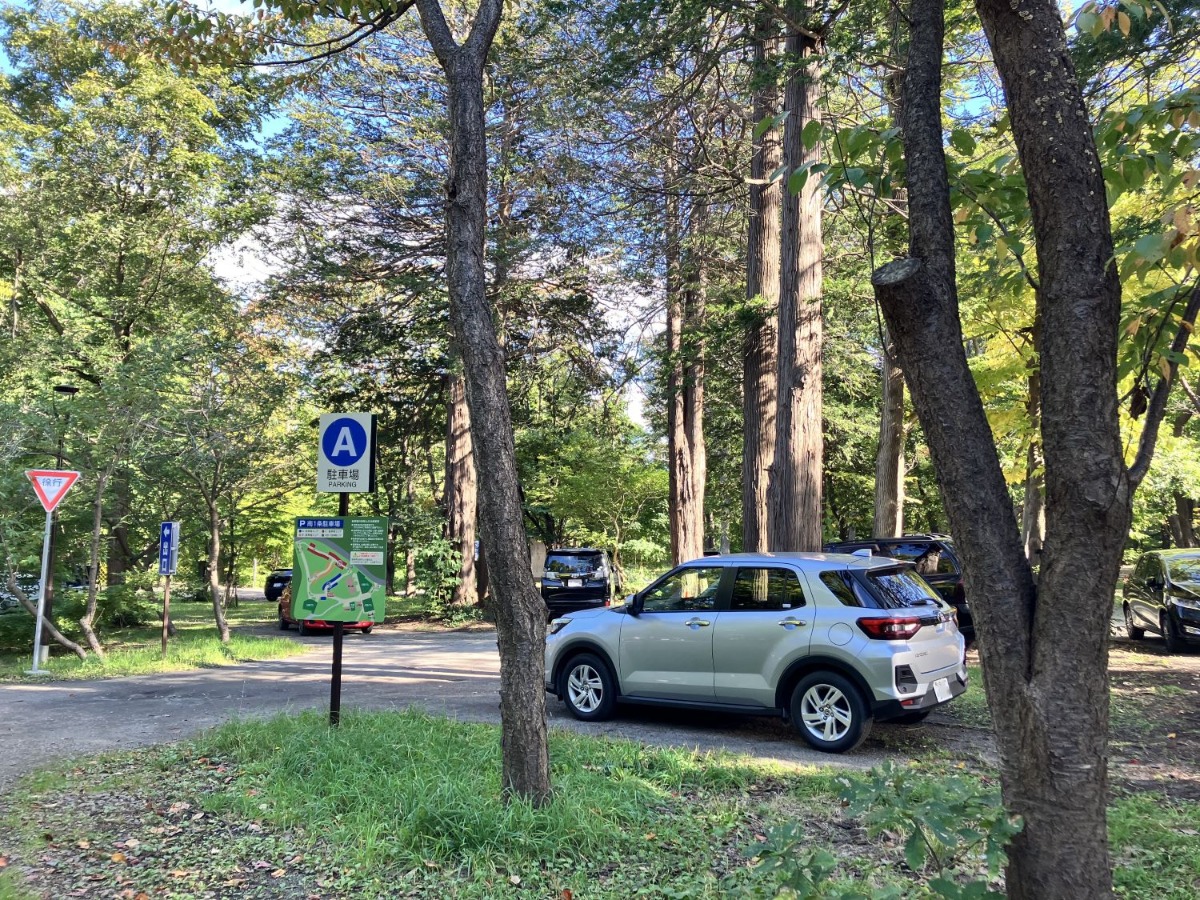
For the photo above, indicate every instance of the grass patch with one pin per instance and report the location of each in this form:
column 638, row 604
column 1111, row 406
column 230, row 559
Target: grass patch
column 138, row 650
column 11, row 888
column 1156, row 847
column 406, row 804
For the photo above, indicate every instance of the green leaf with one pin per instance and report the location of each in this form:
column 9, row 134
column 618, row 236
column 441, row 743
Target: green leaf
column 856, row 177
column 962, row 141
column 914, row 851
column 797, row 180
column 811, row 133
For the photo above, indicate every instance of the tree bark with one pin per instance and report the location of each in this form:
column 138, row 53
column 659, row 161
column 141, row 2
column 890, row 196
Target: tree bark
column 889, row 455
column 889, row 459
column 795, row 481
column 214, row 566
column 760, row 386
column 461, row 490
column 88, row 620
column 1182, row 528
column 521, row 619
column 1033, row 508
column 1044, row 650
column 47, row 625
column 685, row 382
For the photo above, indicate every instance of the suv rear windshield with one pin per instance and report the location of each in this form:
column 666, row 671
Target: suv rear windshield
column 901, row 588
column 573, row 563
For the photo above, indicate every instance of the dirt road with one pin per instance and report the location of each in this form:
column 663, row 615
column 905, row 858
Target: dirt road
column 455, row 674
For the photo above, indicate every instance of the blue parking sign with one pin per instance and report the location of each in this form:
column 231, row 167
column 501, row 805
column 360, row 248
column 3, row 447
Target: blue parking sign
column 168, row 548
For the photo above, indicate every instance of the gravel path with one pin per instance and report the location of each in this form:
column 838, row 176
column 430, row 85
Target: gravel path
column 455, row 674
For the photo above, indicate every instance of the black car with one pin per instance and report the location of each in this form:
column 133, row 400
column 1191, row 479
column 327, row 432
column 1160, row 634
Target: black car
column 575, row 579
column 934, row 558
column 276, row 582
column 1163, row 596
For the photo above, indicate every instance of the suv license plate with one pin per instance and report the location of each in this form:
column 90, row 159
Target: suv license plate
column 941, row 689
column 578, row 582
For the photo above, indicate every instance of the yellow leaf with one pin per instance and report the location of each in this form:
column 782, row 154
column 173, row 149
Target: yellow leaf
column 1106, row 16
column 1171, row 735
column 1183, row 220
column 118, row 857
column 279, row 873
column 1132, row 328
column 1123, row 23
column 1164, row 366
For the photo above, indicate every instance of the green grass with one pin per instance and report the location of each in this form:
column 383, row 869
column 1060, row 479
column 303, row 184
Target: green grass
column 406, row 804
column 138, row 651
column 11, row 888
column 1156, row 846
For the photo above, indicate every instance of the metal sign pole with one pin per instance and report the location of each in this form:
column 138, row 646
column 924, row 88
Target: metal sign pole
column 41, row 604
column 166, row 615
column 339, row 629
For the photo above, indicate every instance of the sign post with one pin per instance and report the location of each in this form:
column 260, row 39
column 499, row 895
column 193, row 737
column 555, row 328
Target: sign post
column 50, row 485
column 168, row 561
column 339, row 576
column 345, row 466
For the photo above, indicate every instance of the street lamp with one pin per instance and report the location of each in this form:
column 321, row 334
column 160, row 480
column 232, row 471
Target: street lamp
column 69, row 391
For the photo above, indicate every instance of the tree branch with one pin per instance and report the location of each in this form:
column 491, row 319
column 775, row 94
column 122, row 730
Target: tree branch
column 1158, row 401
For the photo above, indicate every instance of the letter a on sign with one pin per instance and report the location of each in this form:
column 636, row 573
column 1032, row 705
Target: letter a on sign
column 51, row 485
column 345, row 444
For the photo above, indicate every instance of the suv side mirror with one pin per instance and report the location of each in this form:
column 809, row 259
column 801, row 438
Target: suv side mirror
column 634, row 604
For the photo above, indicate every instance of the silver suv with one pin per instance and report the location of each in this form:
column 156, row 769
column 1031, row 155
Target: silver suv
column 829, row 641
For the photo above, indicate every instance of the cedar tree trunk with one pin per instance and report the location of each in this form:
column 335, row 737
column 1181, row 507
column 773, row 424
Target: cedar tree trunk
column 520, row 613
column 794, row 491
column 759, row 376
column 889, row 458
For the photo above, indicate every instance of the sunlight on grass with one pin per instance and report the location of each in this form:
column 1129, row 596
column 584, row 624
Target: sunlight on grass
column 138, row 651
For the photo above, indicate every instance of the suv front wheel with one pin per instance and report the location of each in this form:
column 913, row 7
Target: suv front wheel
column 587, row 687
column 829, row 712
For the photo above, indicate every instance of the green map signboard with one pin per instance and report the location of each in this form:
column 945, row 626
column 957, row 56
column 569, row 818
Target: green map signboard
column 339, row 569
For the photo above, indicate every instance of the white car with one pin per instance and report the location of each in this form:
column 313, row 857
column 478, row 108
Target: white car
column 830, row 642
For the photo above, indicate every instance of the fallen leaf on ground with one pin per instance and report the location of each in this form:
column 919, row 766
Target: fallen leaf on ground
column 279, row 873
column 118, row 857
column 514, row 879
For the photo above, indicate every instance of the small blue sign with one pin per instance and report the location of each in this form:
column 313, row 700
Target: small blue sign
column 168, row 548
column 344, row 441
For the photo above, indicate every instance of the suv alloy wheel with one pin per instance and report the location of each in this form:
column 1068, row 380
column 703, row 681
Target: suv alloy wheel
column 829, row 713
column 587, row 687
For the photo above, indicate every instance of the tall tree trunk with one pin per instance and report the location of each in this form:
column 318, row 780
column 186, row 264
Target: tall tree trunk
column 760, row 386
column 685, row 383
column 1181, row 522
column 889, row 458
column 214, row 566
column 88, row 621
column 1044, row 650
column 119, row 553
column 461, row 490
column 889, row 455
column 796, row 472
column 1033, row 508
column 521, row 618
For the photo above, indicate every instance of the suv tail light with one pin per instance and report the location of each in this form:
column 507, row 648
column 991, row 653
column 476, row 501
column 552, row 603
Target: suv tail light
column 891, row 628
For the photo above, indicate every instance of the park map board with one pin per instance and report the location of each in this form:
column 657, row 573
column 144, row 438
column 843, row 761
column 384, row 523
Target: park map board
column 339, row 571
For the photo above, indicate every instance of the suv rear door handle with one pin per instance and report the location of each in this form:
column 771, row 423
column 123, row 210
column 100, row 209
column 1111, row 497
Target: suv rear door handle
column 789, row 622
column 696, row 623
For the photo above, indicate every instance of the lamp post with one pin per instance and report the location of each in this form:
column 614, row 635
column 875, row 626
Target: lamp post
column 69, row 391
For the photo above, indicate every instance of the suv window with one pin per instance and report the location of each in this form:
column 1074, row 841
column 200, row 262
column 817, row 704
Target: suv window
column 684, row 591
column 846, row 589
column 902, row 588
column 766, row 590
column 573, row 563
column 929, row 559
column 1185, row 570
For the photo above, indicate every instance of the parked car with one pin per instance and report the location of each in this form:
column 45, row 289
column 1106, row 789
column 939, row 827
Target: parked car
column 308, row 626
column 935, row 559
column 276, row 582
column 1163, row 596
column 830, row 642
column 574, row 579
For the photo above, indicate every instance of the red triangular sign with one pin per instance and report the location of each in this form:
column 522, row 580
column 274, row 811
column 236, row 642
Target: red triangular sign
column 51, row 485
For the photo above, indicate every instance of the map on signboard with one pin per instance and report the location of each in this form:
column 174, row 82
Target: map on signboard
column 339, row 569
